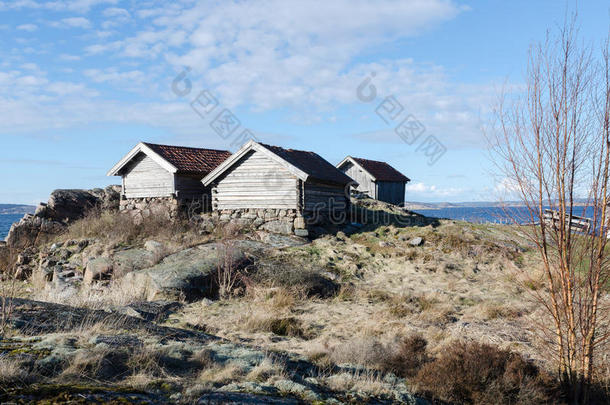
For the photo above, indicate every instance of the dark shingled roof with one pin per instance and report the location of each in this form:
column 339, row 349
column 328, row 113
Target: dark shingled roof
column 381, row 170
column 312, row 164
column 190, row 160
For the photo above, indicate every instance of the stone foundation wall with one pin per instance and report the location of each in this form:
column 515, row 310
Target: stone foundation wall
column 283, row 221
column 144, row 207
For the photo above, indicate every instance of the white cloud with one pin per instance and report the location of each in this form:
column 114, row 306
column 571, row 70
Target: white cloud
column 27, row 27
column 116, row 12
column 72, row 22
column 279, row 53
column 30, row 66
column 81, row 6
column 432, row 191
column 69, row 58
column 506, row 189
column 308, row 57
column 114, row 76
column 116, row 17
column 66, row 88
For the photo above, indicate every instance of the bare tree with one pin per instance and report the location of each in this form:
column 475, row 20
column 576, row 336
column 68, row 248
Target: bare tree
column 552, row 145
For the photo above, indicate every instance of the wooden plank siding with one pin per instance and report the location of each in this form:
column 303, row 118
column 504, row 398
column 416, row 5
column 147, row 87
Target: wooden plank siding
column 143, row 177
column 255, row 181
column 190, row 186
column 391, row 192
column 366, row 184
column 324, row 197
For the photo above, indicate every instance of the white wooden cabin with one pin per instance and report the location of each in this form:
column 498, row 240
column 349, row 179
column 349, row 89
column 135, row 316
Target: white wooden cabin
column 151, row 170
column 269, row 177
column 376, row 179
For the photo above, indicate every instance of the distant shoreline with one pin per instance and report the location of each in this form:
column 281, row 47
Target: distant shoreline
column 13, row 209
column 412, row 205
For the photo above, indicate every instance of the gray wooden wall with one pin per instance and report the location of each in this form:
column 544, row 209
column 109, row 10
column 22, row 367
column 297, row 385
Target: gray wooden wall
column 365, row 182
column 256, row 182
column 143, row 177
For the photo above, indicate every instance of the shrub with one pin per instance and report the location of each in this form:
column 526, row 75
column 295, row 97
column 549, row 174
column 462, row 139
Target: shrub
column 403, row 358
column 228, row 275
column 408, row 357
column 476, row 373
column 365, row 351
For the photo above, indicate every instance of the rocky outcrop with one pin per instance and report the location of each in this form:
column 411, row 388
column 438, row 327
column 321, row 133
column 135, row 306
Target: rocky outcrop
column 184, row 275
column 31, row 230
column 68, row 205
column 63, row 207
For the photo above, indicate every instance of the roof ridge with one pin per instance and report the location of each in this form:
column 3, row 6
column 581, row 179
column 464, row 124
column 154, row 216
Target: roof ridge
column 184, row 147
column 379, row 169
column 286, row 149
column 370, row 160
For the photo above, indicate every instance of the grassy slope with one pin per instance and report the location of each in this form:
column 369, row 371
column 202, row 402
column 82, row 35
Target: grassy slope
column 460, row 284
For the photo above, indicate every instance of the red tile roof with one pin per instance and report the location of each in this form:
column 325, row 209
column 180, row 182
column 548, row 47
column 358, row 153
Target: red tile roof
column 381, row 170
column 190, row 160
column 311, row 163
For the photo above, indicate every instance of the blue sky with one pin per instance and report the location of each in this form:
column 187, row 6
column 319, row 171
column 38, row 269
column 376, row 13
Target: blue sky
column 81, row 82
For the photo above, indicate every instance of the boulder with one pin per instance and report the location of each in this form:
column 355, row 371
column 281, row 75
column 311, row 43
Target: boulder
column 109, row 197
column 303, row 233
column 416, row 241
column 299, row 222
column 97, row 269
column 126, row 261
column 68, row 205
column 278, row 226
column 153, row 311
column 153, row 246
column 187, row 274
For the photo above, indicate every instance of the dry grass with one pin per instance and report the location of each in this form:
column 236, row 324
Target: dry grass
column 275, row 299
column 120, row 228
column 366, row 351
column 114, row 294
column 222, row 374
column 96, row 364
column 363, row 381
column 12, row 371
column 266, row 369
column 91, row 328
column 286, row 326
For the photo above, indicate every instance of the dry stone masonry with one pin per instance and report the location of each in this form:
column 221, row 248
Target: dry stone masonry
column 282, row 221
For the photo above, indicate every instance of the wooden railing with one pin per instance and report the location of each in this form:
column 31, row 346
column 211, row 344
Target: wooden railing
column 575, row 223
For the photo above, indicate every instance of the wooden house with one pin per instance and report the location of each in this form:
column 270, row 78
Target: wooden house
column 260, row 176
column 157, row 171
column 377, row 179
